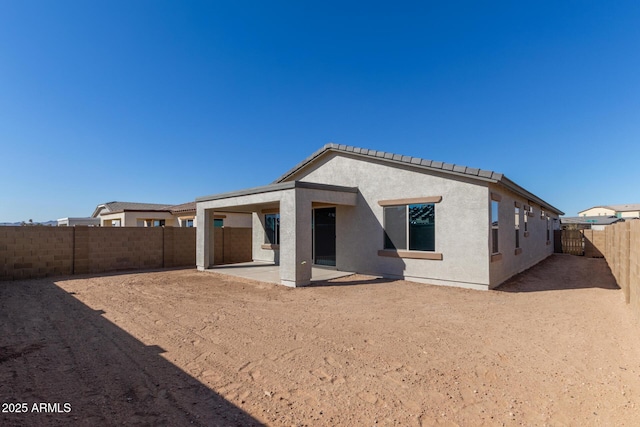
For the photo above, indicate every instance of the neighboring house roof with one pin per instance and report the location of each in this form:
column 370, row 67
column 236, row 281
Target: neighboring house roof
column 597, row 220
column 112, row 207
column 626, row 208
column 185, row 207
column 618, row 208
column 427, row 165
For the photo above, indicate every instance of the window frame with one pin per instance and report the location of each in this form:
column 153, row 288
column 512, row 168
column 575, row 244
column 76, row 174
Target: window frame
column 494, row 226
column 407, row 235
column 276, row 229
column 409, row 253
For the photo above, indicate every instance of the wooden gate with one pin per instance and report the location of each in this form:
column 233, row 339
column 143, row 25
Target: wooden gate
column 572, row 242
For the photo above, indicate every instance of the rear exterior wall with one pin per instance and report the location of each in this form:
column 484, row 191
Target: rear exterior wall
column 461, row 220
column 534, row 245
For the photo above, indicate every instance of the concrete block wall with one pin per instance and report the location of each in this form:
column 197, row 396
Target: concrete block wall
column 620, row 245
column 34, row 252
column 121, row 248
column 231, row 245
column 594, row 243
column 634, row 265
column 237, row 245
column 180, row 243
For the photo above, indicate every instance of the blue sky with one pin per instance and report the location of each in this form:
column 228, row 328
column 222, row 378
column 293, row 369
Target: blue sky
column 166, row 101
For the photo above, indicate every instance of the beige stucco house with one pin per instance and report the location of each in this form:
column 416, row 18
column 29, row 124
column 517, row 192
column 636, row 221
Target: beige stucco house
column 128, row 214
column 620, row 211
column 383, row 214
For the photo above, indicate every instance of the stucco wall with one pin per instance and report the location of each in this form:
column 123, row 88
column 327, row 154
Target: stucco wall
column 630, row 214
column 461, row 220
column 534, row 247
column 136, row 219
column 598, row 212
column 237, row 220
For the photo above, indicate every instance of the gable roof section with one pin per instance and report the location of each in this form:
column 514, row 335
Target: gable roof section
column 426, row 165
column 112, row 207
column 617, row 208
column 597, row 220
column 185, row 207
column 626, row 208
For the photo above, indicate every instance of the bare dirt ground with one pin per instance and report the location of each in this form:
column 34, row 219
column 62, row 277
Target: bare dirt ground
column 554, row 346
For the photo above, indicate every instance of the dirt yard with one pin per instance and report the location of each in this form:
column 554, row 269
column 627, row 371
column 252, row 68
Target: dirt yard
column 555, row 346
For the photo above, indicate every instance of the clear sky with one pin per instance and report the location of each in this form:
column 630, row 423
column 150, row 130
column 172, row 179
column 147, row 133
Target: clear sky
column 165, row 101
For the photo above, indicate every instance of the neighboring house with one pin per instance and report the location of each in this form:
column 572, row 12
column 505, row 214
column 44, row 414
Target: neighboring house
column 588, row 222
column 72, row 222
column 186, row 217
column 128, row 214
column 388, row 215
column 620, row 211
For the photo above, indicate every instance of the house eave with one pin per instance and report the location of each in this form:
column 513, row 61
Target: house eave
column 420, row 164
column 276, row 187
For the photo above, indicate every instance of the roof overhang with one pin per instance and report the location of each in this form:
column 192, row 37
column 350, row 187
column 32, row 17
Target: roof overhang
column 269, row 197
column 277, row 187
column 428, row 166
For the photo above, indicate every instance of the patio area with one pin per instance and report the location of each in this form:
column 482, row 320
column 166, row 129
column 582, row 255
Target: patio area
column 270, row 272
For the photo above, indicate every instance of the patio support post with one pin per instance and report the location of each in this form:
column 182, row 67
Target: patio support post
column 204, row 238
column 295, row 239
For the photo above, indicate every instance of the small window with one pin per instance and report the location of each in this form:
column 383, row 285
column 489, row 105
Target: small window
column 158, row 223
column 495, row 248
column 218, row 223
column 187, row 223
column 410, row 227
column 526, row 218
column 548, row 229
column 272, row 229
column 517, row 223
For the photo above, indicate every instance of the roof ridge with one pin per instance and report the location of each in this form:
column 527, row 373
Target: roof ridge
column 415, row 161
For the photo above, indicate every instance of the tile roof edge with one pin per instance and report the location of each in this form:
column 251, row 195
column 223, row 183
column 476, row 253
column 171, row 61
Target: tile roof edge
column 395, row 158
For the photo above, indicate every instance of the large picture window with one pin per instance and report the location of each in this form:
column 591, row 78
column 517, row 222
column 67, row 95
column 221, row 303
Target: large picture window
column 272, row 228
column 410, row 227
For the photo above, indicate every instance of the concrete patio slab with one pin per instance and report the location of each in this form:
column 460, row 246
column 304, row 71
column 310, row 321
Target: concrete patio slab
column 269, row 272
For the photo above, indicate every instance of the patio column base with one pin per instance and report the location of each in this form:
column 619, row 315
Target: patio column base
column 293, row 283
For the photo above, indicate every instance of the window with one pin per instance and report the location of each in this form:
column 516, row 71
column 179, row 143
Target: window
column 410, row 227
column 548, row 228
column 272, row 228
column 526, row 219
column 495, row 205
column 158, row 223
column 187, row 223
column 218, row 222
column 517, row 223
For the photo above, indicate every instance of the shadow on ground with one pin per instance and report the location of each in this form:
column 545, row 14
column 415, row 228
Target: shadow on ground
column 562, row 272
column 56, row 350
column 339, row 282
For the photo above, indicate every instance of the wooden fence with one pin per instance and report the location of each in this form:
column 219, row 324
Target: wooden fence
column 572, row 242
